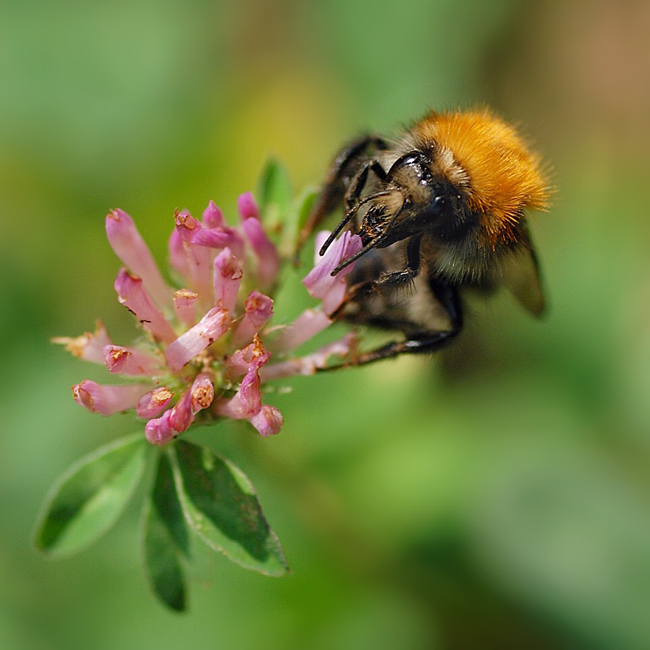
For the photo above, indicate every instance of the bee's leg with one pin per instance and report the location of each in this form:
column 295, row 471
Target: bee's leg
column 358, row 182
column 387, row 279
column 352, row 197
column 422, row 342
column 407, row 275
column 342, row 171
column 352, row 200
column 417, row 342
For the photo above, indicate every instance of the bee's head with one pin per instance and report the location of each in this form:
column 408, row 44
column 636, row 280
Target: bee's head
column 412, row 200
column 375, row 223
column 415, row 198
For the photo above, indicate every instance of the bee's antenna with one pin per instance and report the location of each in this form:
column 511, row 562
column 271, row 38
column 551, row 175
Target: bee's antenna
column 335, row 232
column 356, row 256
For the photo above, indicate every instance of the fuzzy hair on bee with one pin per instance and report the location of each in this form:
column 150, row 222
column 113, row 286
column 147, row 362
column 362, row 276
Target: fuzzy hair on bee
column 440, row 209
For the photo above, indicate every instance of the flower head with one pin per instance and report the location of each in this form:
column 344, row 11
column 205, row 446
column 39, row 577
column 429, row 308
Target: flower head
column 203, row 356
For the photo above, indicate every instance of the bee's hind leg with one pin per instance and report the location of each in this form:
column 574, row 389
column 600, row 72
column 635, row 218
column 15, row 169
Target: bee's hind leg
column 418, row 340
column 418, row 343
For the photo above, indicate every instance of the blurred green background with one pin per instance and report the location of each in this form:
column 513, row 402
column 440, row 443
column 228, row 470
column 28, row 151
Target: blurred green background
column 496, row 496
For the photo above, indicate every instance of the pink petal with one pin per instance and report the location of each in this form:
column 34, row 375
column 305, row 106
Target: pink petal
column 87, row 346
column 240, row 361
column 246, row 404
column 320, row 239
column 130, row 361
column 199, row 397
column 213, row 238
column 187, row 226
column 199, row 258
column 212, row 326
column 129, row 246
column 153, row 403
column 159, row 431
column 268, row 260
column 319, row 281
column 259, row 309
column 185, row 306
column 200, row 263
column 213, row 217
column 193, row 232
column 132, row 294
column 178, row 255
column 181, row 415
column 201, row 242
column 268, row 421
column 108, row 399
column 310, row 363
column 227, row 278
column 248, row 399
column 247, row 207
column 305, row 327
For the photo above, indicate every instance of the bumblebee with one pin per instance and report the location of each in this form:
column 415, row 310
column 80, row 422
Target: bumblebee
column 439, row 210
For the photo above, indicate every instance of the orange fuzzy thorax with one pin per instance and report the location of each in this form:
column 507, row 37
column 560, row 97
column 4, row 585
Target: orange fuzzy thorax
column 502, row 176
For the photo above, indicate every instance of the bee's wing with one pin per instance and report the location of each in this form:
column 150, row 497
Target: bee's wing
column 522, row 278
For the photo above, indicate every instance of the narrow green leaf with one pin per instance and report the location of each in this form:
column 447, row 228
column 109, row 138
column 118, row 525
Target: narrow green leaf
column 165, row 537
column 295, row 220
column 88, row 498
column 304, row 204
column 168, row 506
column 221, row 507
column 274, row 192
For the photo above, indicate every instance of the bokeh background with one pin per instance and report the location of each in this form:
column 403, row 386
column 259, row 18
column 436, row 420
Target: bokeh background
column 495, row 496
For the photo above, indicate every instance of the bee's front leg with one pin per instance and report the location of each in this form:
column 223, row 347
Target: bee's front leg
column 407, row 275
column 358, row 183
column 387, row 280
column 344, row 168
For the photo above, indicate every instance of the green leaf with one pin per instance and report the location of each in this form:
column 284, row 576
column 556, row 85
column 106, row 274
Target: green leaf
column 165, row 537
column 274, row 193
column 304, row 204
column 221, row 507
column 295, row 220
column 88, row 498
